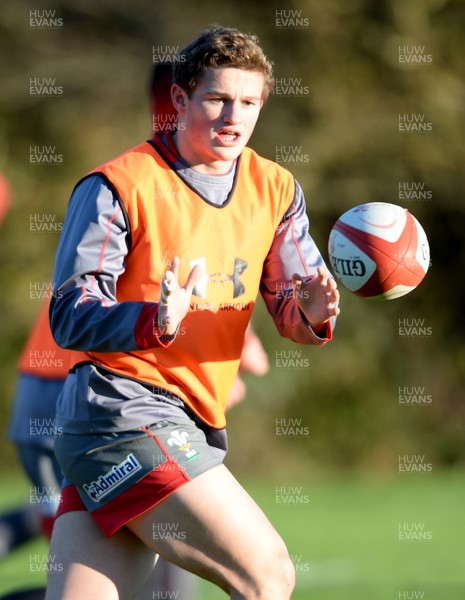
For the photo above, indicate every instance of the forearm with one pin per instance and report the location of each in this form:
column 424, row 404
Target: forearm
column 80, row 322
column 85, row 313
column 290, row 322
column 293, row 251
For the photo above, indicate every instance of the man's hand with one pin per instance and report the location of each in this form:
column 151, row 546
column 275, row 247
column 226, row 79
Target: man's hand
column 317, row 297
column 175, row 300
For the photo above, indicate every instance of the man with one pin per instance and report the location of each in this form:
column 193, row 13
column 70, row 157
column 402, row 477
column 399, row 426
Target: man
column 43, row 368
column 162, row 254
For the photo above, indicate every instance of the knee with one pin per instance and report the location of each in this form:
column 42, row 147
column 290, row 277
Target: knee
column 273, row 576
column 281, row 582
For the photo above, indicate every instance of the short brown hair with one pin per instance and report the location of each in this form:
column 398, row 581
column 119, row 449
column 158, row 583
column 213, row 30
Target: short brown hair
column 220, row 47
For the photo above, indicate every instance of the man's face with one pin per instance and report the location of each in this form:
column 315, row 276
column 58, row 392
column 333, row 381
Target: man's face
column 217, row 119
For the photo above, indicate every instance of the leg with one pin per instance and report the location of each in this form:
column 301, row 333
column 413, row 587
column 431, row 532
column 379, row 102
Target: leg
column 28, row 522
column 44, row 472
column 169, row 581
column 87, row 564
column 17, row 527
column 185, row 506
column 212, row 527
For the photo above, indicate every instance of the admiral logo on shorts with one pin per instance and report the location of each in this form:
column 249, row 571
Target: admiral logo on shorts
column 106, row 483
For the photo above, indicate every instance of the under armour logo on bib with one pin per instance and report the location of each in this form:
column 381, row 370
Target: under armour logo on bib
column 200, row 288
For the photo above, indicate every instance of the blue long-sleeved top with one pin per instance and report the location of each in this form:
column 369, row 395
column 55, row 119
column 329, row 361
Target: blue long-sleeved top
column 91, row 255
column 86, row 315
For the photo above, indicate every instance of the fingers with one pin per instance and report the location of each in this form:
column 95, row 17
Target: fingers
column 332, row 284
column 333, row 299
column 170, row 283
column 171, row 279
column 317, row 295
column 323, row 275
column 332, row 294
column 167, row 288
column 174, row 267
column 194, row 276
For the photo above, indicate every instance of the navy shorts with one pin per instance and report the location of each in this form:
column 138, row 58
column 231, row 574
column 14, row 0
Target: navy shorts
column 119, row 476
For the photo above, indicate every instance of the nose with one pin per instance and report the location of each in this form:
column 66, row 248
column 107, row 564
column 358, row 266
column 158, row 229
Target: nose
column 232, row 112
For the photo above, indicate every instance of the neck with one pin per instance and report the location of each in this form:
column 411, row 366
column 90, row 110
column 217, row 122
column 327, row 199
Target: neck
column 219, row 167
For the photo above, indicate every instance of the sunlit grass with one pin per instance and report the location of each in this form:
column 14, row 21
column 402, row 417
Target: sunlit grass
column 343, row 537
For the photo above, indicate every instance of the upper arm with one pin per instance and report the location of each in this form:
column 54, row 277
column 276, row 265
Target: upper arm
column 293, row 249
column 93, row 242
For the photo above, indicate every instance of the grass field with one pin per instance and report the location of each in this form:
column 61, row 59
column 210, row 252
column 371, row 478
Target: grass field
column 350, row 538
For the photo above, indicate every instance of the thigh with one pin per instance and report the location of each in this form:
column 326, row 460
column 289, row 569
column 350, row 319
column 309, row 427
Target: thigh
column 85, row 563
column 121, row 475
column 213, row 528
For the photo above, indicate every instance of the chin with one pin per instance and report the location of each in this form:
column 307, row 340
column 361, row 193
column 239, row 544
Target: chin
column 228, row 154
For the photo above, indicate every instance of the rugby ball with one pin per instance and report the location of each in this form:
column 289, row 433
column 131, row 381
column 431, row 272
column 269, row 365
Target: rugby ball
column 378, row 250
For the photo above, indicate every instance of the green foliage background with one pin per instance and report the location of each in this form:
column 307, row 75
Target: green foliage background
column 347, row 53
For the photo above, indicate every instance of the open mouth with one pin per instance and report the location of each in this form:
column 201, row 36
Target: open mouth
column 228, row 137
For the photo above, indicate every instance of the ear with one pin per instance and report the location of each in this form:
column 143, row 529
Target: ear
column 179, row 98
